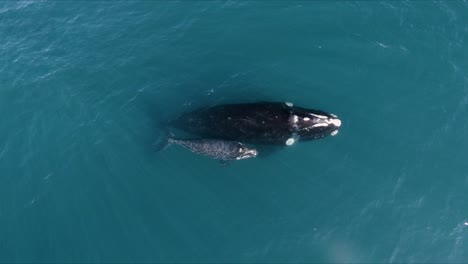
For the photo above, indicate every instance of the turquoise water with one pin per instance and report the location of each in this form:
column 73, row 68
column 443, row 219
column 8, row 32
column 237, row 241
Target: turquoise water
column 84, row 85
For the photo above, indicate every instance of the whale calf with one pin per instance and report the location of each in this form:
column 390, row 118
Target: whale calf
column 218, row 149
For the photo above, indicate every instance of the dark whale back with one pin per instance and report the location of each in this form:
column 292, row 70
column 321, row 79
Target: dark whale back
column 269, row 123
column 254, row 123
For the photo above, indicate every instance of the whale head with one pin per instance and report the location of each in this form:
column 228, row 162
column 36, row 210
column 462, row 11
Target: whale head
column 246, row 152
column 312, row 124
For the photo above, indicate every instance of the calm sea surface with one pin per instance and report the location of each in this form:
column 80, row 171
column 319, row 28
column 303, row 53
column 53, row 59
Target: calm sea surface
column 84, row 85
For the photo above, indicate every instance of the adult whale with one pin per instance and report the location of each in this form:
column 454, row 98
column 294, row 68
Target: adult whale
column 270, row 123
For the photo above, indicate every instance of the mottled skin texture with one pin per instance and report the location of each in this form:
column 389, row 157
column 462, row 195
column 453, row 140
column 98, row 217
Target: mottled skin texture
column 217, row 149
column 271, row 123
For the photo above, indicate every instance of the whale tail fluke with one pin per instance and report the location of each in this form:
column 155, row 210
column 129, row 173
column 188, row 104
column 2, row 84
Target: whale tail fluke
column 166, row 141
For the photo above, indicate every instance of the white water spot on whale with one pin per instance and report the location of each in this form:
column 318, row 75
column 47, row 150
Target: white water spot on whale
column 290, row 141
column 334, row 132
column 306, row 119
column 289, row 104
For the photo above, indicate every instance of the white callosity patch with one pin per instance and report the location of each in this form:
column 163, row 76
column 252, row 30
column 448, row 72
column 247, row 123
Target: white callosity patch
column 295, row 119
column 320, row 125
column 306, row 119
column 290, row 141
column 293, row 122
column 289, row 104
column 318, row 116
column 327, row 121
column 336, row 122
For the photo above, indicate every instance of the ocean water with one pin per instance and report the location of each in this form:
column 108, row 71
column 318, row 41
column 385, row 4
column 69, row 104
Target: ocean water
column 84, row 86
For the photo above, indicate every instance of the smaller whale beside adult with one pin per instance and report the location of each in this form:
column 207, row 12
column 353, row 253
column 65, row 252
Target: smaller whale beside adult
column 266, row 123
column 217, row 149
